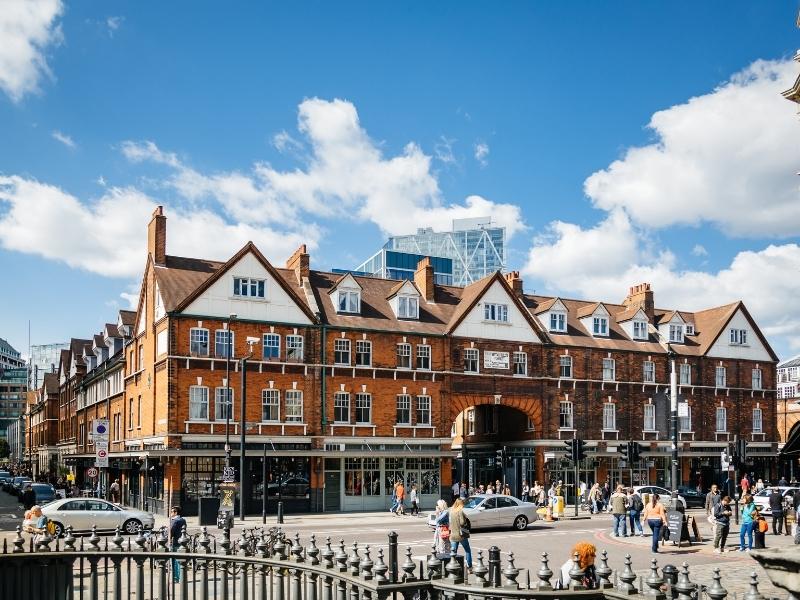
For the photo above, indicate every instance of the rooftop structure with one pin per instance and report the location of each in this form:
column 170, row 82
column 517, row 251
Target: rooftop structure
column 9, row 357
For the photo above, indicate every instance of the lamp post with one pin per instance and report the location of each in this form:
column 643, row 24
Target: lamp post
column 228, row 352
column 251, row 341
column 673, row 419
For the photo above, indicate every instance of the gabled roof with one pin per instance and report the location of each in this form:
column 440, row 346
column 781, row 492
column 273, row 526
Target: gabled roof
column 546, row 306
column 710, row 324
column 128, row 317
column 110, row 330
column 627, row 315
column 180, row 277
column 342, row 279
column 221, row 269
column 589, row 310
column 400, row 285
column 668, row 316
column 792, row 362
column 50, row 382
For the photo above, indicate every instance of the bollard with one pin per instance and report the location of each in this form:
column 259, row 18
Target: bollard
column 280, row 513
column 670, row 575
column 494, row 566
column 393, row 556
column 736, row 508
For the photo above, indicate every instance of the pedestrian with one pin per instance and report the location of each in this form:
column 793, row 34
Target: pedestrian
column 393, row 506
column 796, row 500
column 114, row 491
column 605, row 494
column 776, row 507
column 441, row 535
column 177, row 524
column 489, row 489
column 413, row 498
column 497, row 487
column 713, row 498
column 594, row 498
column 722, row 516
column 747, row 523
column 745, row 485
column 619, row 508
column 656, row 518
column 586, row 553
column 400, row 492
column 463, row 492
column 456, row 489
column 582, row 488
column 481, row 489
column 783, row 481
column 525, row 491
column 507, row 490
column 459, row 531
column 28, row 497
column 636, row 506
column 759, row 485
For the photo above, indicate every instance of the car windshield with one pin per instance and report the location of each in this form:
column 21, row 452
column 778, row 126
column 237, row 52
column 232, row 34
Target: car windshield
column 41, row 487
column 473, row 502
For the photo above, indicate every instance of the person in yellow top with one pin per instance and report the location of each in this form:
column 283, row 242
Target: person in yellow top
column 656, row 517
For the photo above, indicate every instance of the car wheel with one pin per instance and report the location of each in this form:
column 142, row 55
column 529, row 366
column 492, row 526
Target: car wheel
column 131, row 526
column 59, row 529
column 521, row 523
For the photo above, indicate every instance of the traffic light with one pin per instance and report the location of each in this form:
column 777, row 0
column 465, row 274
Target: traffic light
column 570, row 444
column 580, row 449
column 634, row 451
column 742, row 450
column 498, row 461
column 625, row 451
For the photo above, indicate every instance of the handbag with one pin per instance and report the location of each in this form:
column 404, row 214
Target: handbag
column 444, row 532
column 466, row 526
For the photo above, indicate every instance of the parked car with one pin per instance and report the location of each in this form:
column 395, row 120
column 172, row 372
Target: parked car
column 291, row 487
column 663, row 493
column 4, row 476
column 18, row 485
column 762, row 498
column 82, row 513
column 44, row 492
column 693, row 498
column 485, row 511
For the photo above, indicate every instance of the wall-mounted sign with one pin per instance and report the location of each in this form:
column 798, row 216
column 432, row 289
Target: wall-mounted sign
column 495, row 360
column 683, row 409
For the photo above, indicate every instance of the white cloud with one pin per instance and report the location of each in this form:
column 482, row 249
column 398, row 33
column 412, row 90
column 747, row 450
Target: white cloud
column 27, row 29
column 482, row 153
column 108, row 236
column 699, row 250
column 64, row 139
column 345, row 175
column 728, row 157
column 443, row 150
column 113, row 23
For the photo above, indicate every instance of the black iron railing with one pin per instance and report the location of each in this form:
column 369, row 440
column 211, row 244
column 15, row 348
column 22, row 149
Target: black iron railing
column 264, row 564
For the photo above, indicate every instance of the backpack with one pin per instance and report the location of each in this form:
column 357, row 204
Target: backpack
column 50, row 527
column 638, row 505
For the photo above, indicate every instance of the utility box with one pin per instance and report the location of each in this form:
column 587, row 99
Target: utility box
column 207, row 510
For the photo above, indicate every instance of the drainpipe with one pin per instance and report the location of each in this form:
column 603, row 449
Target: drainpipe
column 323, row 361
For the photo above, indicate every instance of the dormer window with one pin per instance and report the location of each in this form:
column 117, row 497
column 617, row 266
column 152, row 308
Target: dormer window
column 247, row 287
column 600, row 325
column 640, row 330
column 349, row 301
column 558, row 321
column 676, row 333
column 495, row 312
column 407, row 307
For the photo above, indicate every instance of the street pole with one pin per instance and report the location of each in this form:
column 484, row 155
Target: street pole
column 577, row 486
column 243, row 430
column 228, row 352
column 264, row 486
column 673, row 401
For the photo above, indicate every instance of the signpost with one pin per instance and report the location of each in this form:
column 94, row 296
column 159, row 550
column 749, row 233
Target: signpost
column 92, row 472
column 99, row 431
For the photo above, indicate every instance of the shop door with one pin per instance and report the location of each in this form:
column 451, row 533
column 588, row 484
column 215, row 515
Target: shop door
column 333, row 491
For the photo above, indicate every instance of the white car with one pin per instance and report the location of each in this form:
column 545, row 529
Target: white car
column 762, row 498
column 486, row 511
column 663, row 493
column 82, row 513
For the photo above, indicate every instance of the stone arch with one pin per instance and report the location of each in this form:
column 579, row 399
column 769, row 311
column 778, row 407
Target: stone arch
column 531, row 407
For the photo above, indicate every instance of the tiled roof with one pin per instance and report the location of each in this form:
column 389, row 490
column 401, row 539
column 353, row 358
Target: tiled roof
column 544, row 306
column 792, row 362
column 587, row 310
column 628, row 314
column 181, row 276
column 128, row 317
column 112, row 330
column 50, row 383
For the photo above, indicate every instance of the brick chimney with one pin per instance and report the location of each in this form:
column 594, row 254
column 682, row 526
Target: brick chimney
column 157, row 236
column 515, row 283
column 642, row 296
column 423, row 278
column 300, row 263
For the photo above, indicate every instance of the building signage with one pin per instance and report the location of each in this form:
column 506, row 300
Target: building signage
column 683, row 409
column 228, row 474
column 495, row 360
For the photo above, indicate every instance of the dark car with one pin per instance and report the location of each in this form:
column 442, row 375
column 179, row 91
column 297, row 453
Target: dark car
column 18, row 485
column 694, row 499
column 4, row 476
column 44, row 492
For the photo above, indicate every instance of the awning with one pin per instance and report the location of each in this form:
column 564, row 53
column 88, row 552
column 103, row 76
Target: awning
column 792, row 445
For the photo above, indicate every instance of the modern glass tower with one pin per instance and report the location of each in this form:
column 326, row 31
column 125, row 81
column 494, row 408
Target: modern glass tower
column 44, row 359
column 475, row 247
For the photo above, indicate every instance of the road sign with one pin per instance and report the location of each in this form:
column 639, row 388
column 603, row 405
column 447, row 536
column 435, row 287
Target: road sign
column 91, row 472
column 99, row 430
column 228, row 474
column 101, row 454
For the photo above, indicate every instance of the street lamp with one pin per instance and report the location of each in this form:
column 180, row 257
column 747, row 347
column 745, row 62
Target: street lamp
column 673, row 418
column 251, row 341
column 228, row 352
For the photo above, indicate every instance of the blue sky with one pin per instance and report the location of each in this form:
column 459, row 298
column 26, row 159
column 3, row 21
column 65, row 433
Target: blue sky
column 619, row 142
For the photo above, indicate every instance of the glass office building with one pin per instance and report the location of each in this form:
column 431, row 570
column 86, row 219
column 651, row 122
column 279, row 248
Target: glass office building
column 9, row 357
column 475, row 248
column 390, row 264
column 13, row 388
column 44, row 359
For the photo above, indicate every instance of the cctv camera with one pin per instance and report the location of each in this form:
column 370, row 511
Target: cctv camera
column 252, row 340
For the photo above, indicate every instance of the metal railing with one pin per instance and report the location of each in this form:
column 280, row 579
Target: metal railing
column 265, row 564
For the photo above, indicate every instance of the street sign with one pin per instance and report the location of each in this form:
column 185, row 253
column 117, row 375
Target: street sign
column 683, row 409
column 91, row 472
column 99, row 430
column 228, row 474
column 101, row 454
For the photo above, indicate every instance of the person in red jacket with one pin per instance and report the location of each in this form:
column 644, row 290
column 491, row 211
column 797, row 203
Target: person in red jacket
column 745, row 485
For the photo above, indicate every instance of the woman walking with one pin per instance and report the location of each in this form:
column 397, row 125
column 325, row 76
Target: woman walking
column 459, row 531
column 656, row 518
column 748, row 520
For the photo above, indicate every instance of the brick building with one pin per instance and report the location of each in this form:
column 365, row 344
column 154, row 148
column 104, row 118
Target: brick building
column 43, row 427
column 353, row 382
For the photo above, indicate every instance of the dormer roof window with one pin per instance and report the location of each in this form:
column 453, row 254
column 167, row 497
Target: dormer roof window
column 553, row 315
column 595, row 318
column 689, row 329
column 599, row 325
column 673, row 328
column 404, row 299
column 558, row 321
column 347, row 295
column 676, row 333
column 639, row 330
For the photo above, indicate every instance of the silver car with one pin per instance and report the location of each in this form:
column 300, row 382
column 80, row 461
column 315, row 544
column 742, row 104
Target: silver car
column 762, row 498
column 491, row 510
column 82, row 513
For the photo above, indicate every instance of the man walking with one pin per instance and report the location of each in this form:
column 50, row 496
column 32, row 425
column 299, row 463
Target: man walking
column 776, row 507
column 722, row 514
column 712, row 499
column 619, row 505
column 456, row 489
column 176, row 526
column 636, row 507
column 114, row 491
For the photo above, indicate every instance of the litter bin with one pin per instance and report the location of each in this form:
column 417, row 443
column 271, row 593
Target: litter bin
column 207, row 510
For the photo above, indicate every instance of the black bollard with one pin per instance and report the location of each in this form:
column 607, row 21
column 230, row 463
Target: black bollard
column 280, row 513
column 393, row 556
column 736, row 508
column 670, row 575
column 494, row 566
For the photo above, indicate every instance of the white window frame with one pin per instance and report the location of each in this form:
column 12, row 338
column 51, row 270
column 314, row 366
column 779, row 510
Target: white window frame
column 689, row 329
column 738, row 337
column 195, row 402
column 648, row 371
column 341, row 346
column 294, row 348
column 758, row 420
column 264, row 345
column 520, row 364
column 756, row 379
column 685, row 374
column 293, row 400
column 609, row 368
column 471, row 421
column 363, row 348
column 558, row 321
column 565, row 366
column 685, row 423
column 566, row 415
column 230, row 344
column 495, row 312
column 348, row 301
column 649, row 417
column 270, row 401
column 720, row 377
column 249, row 287
column 721, row 420
column 423, row 357
column 640, row 330
column 676, row 333
column 193, row 333
column 403, row 353
column 403, row 405
column 423, row 413
column 600, row 326
column 609, row 416
column 219, row 402
column 407, row 306
column 364, row 402
column 341, row 401
column 472, row 356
